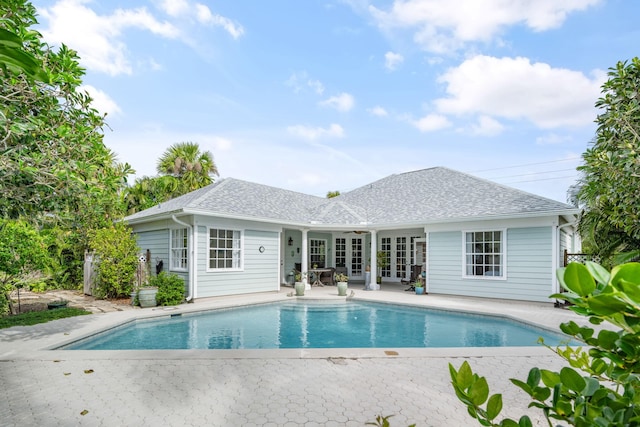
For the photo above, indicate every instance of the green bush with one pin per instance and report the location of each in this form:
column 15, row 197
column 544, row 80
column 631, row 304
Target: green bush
column 601, row 385
column 23, row 257
column 170, row 288
column 117, row 255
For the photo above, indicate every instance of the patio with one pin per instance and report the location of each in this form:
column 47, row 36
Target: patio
column 344, row 387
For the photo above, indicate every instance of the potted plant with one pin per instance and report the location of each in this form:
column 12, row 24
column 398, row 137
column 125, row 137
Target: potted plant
column 419, row 287
column 148, row 290
column 382, row 261
column 300, row 284
column 342, row 280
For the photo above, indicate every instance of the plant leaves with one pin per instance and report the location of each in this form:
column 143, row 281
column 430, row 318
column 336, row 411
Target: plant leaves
column 572, row 380
column 494, row 406
column 578, row 280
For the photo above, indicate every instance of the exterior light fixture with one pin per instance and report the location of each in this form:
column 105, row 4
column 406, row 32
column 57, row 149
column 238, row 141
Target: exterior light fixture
column 290, row 241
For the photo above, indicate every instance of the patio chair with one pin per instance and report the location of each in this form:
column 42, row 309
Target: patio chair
column 328, row 278
column 416, row 271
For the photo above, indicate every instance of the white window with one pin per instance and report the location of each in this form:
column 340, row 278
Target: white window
column 225, row 249
column 484, row 253
column 179, row 250
column 317, row 252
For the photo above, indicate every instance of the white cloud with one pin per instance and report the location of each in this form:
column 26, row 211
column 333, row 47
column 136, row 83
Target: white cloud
column 487, row 126
column 174, row 7
column 101, row 101
column 343, row 102
column 516, row 89
column 377, row 111
column 311, row 133
column 392, row 60
column 432, row 122
column 204, row 15
column 98, row 39
column 439, row 27
column 300, row 81
column 316, row 85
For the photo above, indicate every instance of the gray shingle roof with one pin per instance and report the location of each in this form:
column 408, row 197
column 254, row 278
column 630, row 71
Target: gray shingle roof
column 423, row 196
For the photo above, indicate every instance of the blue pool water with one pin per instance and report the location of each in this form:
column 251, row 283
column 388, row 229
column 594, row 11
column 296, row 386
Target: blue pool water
column 319, row 325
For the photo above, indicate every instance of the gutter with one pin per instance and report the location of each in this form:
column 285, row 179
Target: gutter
column 191, row 256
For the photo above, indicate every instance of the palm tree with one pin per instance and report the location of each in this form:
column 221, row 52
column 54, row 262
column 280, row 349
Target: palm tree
column 185, row 162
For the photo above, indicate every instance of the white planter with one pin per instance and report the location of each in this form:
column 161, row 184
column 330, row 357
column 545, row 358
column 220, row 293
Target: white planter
column 342, row 289
column 300, row 288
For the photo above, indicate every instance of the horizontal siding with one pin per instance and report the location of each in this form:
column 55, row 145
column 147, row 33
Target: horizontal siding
column 528, row 266
column 260, row 271
column 157, row 242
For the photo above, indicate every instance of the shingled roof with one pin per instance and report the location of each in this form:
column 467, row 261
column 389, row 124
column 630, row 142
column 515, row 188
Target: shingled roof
column 419, row 197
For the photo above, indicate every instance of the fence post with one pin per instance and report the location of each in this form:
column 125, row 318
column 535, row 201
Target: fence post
column 89, row 273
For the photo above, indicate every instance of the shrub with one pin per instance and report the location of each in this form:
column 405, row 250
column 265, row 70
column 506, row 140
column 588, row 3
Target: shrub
column 609, row 393
column 23, row 257
column 170, row 288
column 117, row 255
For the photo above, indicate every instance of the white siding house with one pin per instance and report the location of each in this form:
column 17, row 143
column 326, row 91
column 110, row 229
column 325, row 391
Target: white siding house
column 471, row 236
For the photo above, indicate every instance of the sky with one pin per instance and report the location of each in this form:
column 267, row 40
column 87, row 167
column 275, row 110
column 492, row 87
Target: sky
column 329, row 95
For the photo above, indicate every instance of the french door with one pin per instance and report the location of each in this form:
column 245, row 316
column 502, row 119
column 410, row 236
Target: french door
column 350, row 253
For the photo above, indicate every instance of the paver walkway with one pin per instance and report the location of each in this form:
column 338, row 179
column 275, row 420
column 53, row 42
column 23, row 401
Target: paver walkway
column 252, row 387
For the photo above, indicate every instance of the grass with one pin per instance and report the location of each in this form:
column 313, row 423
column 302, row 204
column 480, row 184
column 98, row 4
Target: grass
column 35, row 317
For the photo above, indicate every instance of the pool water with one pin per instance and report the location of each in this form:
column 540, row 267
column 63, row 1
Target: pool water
column 319, row 325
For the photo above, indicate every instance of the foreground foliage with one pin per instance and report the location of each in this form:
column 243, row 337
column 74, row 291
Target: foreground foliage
column 601, row 385
column 35, row 317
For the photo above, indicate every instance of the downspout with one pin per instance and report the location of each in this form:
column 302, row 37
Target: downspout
column 556, row 257
column 191, row 257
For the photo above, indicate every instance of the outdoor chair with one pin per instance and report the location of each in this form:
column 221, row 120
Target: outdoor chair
column 416, row 271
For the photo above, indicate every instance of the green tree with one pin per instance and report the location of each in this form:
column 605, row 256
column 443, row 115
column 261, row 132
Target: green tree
column 610, row 189
column 147, row 192
column 601, row 384
column 186, row 162
column 56, row 170
column 332, row 194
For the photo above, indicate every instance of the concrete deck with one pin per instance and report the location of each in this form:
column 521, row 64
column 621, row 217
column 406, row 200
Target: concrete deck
column 323, row 387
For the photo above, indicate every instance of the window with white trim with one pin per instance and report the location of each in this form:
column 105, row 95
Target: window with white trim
column 317, row 252
column 484, row 253
column 225, row 249
column 341, row 252
column 179, row 249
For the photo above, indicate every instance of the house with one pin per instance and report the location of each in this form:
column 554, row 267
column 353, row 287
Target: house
column 473, row 237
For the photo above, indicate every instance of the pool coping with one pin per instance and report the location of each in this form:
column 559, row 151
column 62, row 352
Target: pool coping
column 39, row 342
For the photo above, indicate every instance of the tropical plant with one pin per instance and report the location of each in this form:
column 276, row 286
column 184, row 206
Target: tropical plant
column 608, row 192
column 341, row 277
column 56, row 170
column 117, row 254
column 170, row 288
column 186, row 162
column 147, row 192
column 601, row 385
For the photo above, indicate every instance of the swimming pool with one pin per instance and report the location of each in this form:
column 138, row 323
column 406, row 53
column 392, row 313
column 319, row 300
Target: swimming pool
column 318, row 325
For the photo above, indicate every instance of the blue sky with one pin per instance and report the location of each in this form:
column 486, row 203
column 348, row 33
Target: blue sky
column 315, row 96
